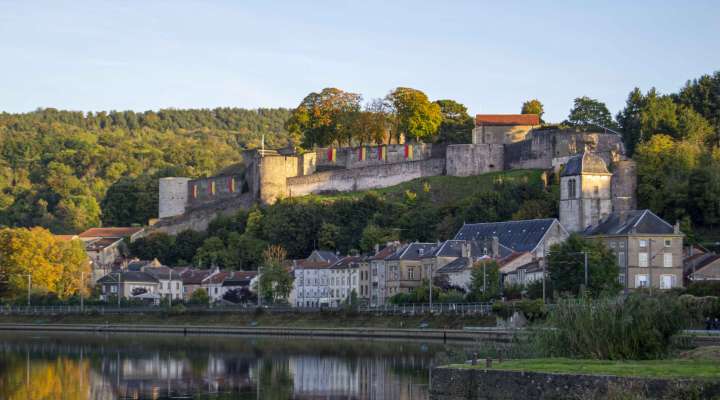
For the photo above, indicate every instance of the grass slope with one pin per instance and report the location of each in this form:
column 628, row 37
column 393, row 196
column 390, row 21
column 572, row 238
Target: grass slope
column 671, row 368
column 444, row 190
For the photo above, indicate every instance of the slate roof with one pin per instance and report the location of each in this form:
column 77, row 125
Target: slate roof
column 129, row 276
column 630, row 222
column 453, row 248
column 457, row 265
column 507, row 119
column 516, row 235
column 327, row 255
column 413, row 251
column 384, row 253
column 699, row 261
column 533, row 266
column 195, row 276
column 346, row 262
column 163, row 272
column 585, row 163
column 239, row 278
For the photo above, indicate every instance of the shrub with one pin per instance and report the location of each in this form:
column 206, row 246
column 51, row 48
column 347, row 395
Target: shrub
column 641, row 327
column 704, row 288
column 533, row 310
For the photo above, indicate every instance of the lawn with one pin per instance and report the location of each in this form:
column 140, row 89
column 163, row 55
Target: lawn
column 443, row 189
column 670, row 368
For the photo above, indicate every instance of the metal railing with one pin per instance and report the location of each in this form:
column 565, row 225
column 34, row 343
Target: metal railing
column 387, row 309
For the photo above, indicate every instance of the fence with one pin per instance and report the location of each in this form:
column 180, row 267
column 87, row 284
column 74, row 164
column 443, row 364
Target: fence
column 389, row 309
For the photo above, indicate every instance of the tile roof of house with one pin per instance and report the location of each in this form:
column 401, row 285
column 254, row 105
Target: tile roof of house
column 511, row 257
column 129, row 276
column 630, row 222
column 216, row 279
column 195, row 276
column 239, row 278
column 507, row 119
column 327, row 255
column 384, row 253
column 585, row 163
column 110, row 232
column 163, row 272
column 457, row 265
column 66, row 238
column 699, row 261
column 413, row 251
column 311, row 264
column 346, row 262
column 516, row 235
column 101, row 243
column 531, row 267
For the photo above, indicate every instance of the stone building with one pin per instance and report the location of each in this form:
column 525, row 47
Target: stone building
column 649, row 250
column 585, row 192
column 404, row 268
column 503, row 128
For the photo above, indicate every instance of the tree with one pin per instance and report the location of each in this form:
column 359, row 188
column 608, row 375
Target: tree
column 703, row 96
column 55, row 267
column 533, row 106
column 211, row 253
column 328, row 236
column 589, row 112
column 199, row 297
column 275, row 281
column 456, row 125
column 374, row 235
column 325, row 117
column 414, row 115
column 566, row 267
column 484, row 281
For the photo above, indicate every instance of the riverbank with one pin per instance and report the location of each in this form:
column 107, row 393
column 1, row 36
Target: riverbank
column 266, row 319
column 579, row 379
column 474, row 335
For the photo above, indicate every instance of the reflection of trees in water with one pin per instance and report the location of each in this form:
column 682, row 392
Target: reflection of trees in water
column 152, row 366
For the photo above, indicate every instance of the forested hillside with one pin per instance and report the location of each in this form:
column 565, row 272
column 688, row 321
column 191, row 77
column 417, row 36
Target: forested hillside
column 59, row 169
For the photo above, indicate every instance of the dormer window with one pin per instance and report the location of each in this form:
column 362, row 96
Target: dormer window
column 571, row 188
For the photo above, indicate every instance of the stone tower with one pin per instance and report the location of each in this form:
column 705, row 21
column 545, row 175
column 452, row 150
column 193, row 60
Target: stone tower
column 585, row 192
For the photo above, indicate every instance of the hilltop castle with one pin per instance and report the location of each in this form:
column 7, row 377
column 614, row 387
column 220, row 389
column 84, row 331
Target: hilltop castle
column 590, row 191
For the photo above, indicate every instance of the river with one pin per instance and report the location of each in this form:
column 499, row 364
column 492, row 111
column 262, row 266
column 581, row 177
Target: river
column 73, row 366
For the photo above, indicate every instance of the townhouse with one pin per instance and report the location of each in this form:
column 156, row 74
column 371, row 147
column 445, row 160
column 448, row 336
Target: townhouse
column 343, row 280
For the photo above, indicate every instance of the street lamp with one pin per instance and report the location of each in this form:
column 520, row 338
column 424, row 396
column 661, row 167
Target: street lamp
column 28, row 287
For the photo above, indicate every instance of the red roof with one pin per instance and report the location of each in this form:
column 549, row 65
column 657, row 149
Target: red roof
column 507, row 119
column 110, row 232
column 66, row 238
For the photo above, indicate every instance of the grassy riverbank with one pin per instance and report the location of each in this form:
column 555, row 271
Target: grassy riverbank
column 695, row 368
column 298, row 320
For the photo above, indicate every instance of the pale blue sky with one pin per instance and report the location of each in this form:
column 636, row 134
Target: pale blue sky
column 491, row 56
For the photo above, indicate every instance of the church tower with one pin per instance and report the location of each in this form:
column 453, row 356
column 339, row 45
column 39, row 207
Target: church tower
column 585, row 192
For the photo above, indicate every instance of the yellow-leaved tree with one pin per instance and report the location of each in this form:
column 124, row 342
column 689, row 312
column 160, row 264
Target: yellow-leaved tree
column 55, row 266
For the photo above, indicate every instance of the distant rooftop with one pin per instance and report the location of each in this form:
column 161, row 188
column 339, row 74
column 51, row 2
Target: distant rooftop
column 507, row 119
column 631, row 222
column 585, row 163
column 516, row 235
column 111, row 232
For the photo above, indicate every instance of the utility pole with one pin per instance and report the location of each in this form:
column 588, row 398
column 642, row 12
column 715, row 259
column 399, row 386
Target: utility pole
column 118, row 291
column 170, row 283
column 430, row 285
column 586, row 269
column 29, row 285
column 650, row 266
column 82, row 296
column 484, row 278
column 544, row 279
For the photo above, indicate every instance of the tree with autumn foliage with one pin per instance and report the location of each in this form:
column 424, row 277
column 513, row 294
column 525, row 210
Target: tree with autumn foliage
column 55, row 266
column 325, row 118
column 414, row 115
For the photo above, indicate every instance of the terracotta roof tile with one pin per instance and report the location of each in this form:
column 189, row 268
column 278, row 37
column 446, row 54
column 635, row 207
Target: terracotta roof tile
column 110, row 232
column 507, row 119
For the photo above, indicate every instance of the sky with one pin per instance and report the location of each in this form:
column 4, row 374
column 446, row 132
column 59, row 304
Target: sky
column 489, row 55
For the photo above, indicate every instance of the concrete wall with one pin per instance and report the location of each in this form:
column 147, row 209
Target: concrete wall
column 461, row 384
column 173, row 194
column 474, row 159
column 363, row 178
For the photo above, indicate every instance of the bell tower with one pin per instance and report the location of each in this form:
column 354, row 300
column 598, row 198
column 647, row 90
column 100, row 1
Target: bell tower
column 585, row 192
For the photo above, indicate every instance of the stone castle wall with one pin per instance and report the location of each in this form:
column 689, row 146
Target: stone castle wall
column 172, row 196
column 474, row 159
column 365, row 156
column 371, row 177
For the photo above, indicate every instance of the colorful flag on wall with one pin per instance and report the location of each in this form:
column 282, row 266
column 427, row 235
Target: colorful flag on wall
column 332, row 154
column 231, row 184
column 212, row 188
column 363, row 153
column 408, row 151
column 194, row 191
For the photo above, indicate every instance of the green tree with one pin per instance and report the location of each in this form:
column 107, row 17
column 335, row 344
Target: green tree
column 275, row 281
column 325, row 117
column 533, row 106
column 374, row 235
column 589, row 112
column 703, row 95
column 328, row 236
column 211, row 253
column 199, row 297
column 456, row 125
column 414, row 115
column 484, row 281
column 566, row 267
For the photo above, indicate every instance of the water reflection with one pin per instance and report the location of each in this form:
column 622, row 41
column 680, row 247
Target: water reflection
column 94, row 366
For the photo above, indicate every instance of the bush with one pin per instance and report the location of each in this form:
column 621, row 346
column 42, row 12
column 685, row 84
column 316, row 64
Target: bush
column 704, row 288
column 641, row 327
column 532, row 310
column 699, row 308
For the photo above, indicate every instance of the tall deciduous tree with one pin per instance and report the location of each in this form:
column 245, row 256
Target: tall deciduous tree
column 275, row 282
column 414, row 115
column 703, row 95
column 589, row 112
column 325, row 117
column 533, row 106
column 566, row 267
column 456, row 125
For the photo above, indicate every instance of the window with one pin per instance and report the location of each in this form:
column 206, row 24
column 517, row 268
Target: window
column 621, row 259
column 113, row 289
column 667, row 260
column 668, row 242
column 642, row 259
column 643, row 243
column 621, row 279
column 641, row 281
column 411, row 273
column 612, row 245
column 571, row 189
column 667, row 281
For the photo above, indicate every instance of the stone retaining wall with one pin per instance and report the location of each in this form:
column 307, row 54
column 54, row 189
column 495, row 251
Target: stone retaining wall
column 464, row 383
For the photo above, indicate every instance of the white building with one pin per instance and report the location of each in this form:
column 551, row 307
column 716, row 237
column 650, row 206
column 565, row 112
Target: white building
column 310, row 286
column 344, row 278
column 170, row 282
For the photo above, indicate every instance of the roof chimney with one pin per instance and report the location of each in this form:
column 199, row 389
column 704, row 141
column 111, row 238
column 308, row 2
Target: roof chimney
column 676, row 228
column 465, row 249
column 495, row 247
column 377, row 248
